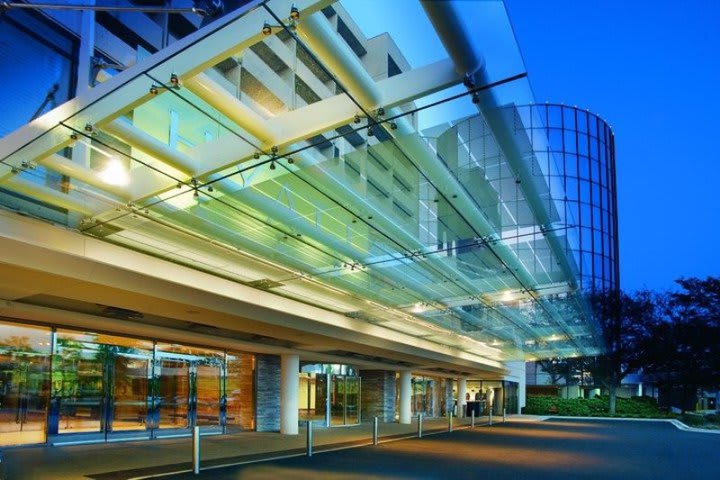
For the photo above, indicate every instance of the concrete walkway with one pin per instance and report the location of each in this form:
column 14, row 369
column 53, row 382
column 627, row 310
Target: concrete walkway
column 126, row 460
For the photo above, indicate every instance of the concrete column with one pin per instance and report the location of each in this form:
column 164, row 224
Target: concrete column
column 405, row 396
column 289, row 386
column 640, row 389
column 462, row 391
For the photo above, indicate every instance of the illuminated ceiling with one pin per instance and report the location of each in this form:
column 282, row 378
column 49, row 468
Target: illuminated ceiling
column 301, row 175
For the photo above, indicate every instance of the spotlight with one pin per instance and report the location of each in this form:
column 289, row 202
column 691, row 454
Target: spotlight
column 370, row 132
column 174, row 81
column 356, row 119
column 88, row 128
column 196, row 194
column 272, row 165
column 393, row 126
column 256, row 155
column 274, row 149
column 210, row 188
column 380, row 112
column 294, row 12
column 475, row 98
column 153, row 90
column 267, row 29
column 290, row 160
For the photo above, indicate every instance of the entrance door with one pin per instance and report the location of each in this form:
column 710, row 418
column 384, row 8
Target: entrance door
column 173, row 394
column 129, row 395
column 24, row 382
column 344, row 400
column 208, row 382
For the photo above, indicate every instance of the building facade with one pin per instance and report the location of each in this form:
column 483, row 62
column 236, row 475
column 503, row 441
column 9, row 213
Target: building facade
column 246, row 219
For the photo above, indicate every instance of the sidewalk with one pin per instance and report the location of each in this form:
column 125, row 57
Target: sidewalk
column 127, row 460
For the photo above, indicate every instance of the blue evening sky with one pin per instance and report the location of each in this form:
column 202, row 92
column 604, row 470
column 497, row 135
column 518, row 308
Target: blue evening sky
column 651, row 69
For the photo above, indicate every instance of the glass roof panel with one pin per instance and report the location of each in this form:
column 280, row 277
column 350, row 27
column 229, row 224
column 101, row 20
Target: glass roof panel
column 268, row 149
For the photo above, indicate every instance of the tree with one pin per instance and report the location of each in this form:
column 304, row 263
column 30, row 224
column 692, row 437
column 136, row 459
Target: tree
column 683, row 348
column 625, row 321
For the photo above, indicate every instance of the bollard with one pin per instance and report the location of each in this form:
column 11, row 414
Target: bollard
column 504, row 415
column 490, row 417
column 375, row 431
column 472, row 419
column 420, row 425
column 196, row 450
column 309, row 438
column 450, row 422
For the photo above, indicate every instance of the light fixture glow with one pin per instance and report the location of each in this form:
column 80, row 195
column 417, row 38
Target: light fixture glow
column 114, row 173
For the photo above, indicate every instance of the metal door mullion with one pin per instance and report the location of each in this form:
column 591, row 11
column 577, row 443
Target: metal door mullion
column 108, row 392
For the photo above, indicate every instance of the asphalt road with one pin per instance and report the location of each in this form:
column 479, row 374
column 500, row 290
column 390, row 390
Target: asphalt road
column 555, row 449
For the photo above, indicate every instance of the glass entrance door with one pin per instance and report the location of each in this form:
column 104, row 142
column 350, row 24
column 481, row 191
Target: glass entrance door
column 173, row 397
column 129, row 396
column 352, row 400
column 24, row 382
column 344, row 400
column 208, row 381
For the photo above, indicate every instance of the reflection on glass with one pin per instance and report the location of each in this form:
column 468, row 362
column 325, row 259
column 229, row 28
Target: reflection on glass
column 344, row 400
column 208, row 395
column 337, row 400
column 79, row 382
column 307, row 397
column 24, row 375
column 352, row 400
column 174, row 393
column 130, row 392
column 240, row 404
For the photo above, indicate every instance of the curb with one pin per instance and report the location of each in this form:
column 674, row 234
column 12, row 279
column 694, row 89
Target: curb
column 677, row 423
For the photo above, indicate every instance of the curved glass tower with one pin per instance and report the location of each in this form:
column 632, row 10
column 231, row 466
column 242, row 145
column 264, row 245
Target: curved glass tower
column 578, row 148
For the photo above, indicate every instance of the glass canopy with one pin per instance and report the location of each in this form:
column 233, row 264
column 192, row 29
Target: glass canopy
column 281, row 162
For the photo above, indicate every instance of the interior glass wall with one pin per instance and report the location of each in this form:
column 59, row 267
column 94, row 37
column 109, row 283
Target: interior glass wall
column 69, row 386
column 426, row 396
column 24, row 383
column 329, row 393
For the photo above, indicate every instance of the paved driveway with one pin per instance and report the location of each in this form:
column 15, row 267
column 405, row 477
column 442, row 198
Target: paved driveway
column 554, row 449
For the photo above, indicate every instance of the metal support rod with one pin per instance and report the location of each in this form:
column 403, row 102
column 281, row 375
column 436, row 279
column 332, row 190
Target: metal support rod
column 101, row 8
column 490, row 416
column 375, row 431
column 196, row 450
column 472, row 418
column 309, row 438
column 504, row 415
column 450, row 421
column 420, row 425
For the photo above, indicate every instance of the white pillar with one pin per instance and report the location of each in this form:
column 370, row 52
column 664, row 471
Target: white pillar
column 640, row 389
column 461, row 392
column 405, row 397
column 289, row 386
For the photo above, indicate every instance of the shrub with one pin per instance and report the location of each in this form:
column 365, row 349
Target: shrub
column 637, row 407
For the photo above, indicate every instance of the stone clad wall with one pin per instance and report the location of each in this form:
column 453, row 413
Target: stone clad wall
column 267, row 371
column 378, row 395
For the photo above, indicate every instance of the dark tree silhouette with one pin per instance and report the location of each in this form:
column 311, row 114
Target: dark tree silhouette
column 682, row 351
column 626, row 322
